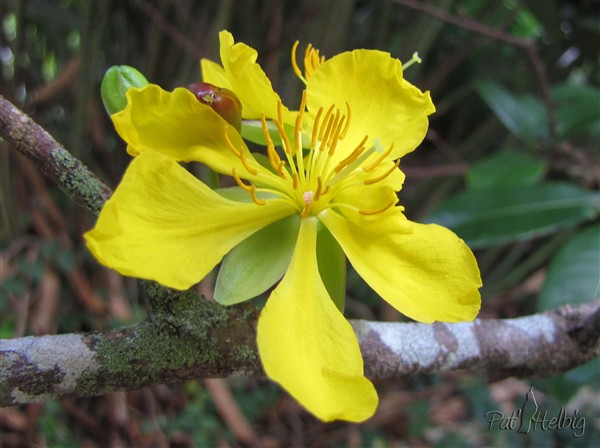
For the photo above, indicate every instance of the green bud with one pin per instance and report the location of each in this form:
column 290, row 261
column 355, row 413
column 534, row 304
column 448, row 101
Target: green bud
column 117, row 81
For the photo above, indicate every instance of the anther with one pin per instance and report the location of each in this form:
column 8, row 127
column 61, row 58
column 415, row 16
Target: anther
column 315, row 131
column 375, row 164
column 352, row 157
column 319, row 188
column 325, row 122
column 249, row 188
column 383, row 176
column 375, row 212
column 295, row 67
column 347, row 124
column 239, row 154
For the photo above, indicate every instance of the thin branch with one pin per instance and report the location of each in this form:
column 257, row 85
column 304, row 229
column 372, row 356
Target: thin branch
column 199, row 339
column 496, row 34
column 31, row 140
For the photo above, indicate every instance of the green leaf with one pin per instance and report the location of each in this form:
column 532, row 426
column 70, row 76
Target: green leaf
column 574, row 272
column 332, row 266
column 524, row 116
column 498, row 215
column 257, row 263
column 506, row 168
column 578, row 110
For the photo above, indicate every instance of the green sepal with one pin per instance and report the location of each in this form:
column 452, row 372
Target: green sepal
column 332, row 266
column 117, row 81
column 258, row 262
column 252, row 131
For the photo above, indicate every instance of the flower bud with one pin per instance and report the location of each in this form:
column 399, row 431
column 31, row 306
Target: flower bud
column 223, row 101
column 117, row 81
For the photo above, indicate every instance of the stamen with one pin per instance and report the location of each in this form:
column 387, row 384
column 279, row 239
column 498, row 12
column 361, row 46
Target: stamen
column 295, row 181
column 233, row 148
column 286, row 141
column 307, row 61
column 379, row 159
column 313, row 140
column 375, row 212
column 326, row 122
column 239, row 154
column 295, row 67
column 333, row 141
column 305, row 211
column 298, row 126
column 326, row 135
column 384, row 175
column 319, row 188
column 239, row 181
column 414, row 60
column 249, row 188
column 352, row 157
column 280, row 111
column 347, row 125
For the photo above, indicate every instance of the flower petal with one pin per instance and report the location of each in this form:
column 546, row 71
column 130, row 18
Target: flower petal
column 307, row 345
column 214, row 74
column 428, row 274
column 163, row 224
column 178, row 125
column 248, row 80
column 384, row 106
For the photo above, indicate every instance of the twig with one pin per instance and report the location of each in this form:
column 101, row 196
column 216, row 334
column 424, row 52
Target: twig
column 31, row 140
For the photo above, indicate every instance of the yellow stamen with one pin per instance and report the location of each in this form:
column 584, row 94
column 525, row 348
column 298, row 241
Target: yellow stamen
column 297, row 70
column 295, row 181
column 347, row 125
column 379, row 160
column 298, row 126
column 233, row 148
column 375, row 212
column 336, row 135
column 249, row 188
column 384, row 175
column 286, row 141
column 319, row 188
column 305, row 211
column 352, row 157
column 326, row 122
column 315, row 131
column 239, row 154
column 331, row 123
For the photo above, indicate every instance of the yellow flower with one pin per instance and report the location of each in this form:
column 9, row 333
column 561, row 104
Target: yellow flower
column 357, row 116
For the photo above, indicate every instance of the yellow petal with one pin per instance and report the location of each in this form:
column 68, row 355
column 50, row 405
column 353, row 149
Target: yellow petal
column 214, row 74
column 248, row 80
column 384, row 106
column 178, row 125
column 307, row 345
column 429, row 274
column 163, row 224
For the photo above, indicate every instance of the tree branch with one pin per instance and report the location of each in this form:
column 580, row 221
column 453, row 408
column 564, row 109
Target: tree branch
column 194, row 338
column 186, row 336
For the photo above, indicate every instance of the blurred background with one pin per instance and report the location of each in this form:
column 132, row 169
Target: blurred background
column 510, row 163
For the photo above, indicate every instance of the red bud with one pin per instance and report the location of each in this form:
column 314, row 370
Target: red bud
column 223, row 101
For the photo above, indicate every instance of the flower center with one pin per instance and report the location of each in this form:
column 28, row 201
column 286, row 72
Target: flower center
column 310, row 178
